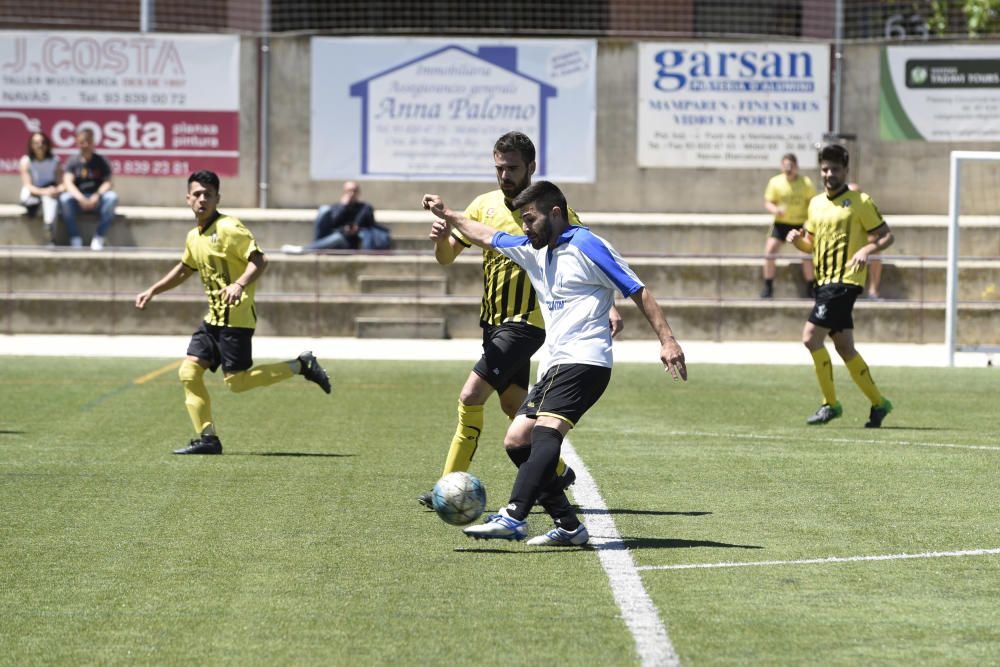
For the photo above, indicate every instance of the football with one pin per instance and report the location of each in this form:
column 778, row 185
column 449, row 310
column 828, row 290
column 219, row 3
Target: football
column 459, row 498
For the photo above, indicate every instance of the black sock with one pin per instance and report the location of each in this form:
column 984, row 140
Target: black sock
column 519, row 454
column 536, row 472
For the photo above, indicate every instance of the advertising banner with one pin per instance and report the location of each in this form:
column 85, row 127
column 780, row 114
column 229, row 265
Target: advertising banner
column 159, row 105
column 940, row 93
column 431, row 109
column 731, row 105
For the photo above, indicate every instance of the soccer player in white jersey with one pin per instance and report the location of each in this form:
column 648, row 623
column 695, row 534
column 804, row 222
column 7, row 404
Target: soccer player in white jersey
column 575, row 274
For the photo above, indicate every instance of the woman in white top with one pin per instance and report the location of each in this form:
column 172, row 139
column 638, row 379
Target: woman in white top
column 41, row 178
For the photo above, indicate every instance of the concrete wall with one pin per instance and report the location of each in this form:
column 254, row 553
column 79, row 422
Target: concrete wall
column 903, row 177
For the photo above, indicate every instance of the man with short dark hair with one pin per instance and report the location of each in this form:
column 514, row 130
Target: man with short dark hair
column 509, row 315
column 227, row 258
column 575, row 274
column 787, row 198
column 87, row 180
column 844, row 228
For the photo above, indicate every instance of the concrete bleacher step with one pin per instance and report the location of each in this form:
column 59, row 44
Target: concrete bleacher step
column 25, row 270
column 401, row 327
column 404, row 284
column 457, row 317
column 631, row 233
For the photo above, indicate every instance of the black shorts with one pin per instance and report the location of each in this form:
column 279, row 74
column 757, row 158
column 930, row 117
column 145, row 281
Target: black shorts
column 779, row 230
column 232, row 347
column 507, row 350
column 834, row 306
column 566, row 391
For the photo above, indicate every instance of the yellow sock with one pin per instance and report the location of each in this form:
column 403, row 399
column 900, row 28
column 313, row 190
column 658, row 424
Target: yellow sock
column 196, row 398
column 258, row 376
column 863, row 378
column 824, row 373
column 466, row 438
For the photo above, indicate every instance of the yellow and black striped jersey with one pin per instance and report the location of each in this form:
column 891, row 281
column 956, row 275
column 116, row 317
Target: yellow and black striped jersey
column 839, row 228
column 507, row 293
column 793, row 196
column 220, row 254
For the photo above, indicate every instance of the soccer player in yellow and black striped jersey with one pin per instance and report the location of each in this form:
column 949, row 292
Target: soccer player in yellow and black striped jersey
column 844, row 228
column 512, row 324
column 229, row 262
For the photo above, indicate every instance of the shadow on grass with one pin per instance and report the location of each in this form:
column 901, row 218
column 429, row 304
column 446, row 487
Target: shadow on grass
column 6, row 432
column 642, row 512
column 673, row 543
column 291, row 454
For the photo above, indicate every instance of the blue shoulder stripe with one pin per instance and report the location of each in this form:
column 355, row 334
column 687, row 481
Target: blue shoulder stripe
column 505, row 240
column 597, row 252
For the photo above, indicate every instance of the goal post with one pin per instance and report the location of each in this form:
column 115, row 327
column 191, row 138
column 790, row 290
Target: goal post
column 954, row 212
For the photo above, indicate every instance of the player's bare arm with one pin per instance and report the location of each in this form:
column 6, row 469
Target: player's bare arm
column 616, row 321
column 879, row 239
column 671, row 353
column 801, row 239
column 233, row 292
column 446, row 246
column 475, row 232
column 172, row 279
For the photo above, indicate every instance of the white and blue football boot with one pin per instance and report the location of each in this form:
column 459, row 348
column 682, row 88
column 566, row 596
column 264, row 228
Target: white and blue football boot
column 560, row 537
column 499, row 526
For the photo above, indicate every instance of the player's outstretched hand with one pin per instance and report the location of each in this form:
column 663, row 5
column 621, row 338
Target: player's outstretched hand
column 672, row 357
column 793, row 234
column 616, row 322
column 143, row 298
column 439, row 231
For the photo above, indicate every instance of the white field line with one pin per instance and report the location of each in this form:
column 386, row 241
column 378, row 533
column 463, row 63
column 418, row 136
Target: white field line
column 850, row 441
column 824, row 561
column 638, row 611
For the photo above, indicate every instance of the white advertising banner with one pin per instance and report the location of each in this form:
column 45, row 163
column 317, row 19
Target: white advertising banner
column 732, row 105
column 940, row 93
column 431, row 109
column 159, row 105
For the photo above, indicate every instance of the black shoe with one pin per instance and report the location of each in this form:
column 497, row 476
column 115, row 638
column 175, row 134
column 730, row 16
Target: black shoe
column 566, row 479
column 426, row 499
column 826, row 413
column 313, row 372
column 206, row 444
column 878, row 413
column 767, row 292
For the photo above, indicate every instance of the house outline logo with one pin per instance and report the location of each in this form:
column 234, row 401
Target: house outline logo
column 502, row 58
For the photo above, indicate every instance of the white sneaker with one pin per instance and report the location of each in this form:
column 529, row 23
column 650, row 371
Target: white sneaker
column 290, row 249
column 76, row 242
column 500, row 526
column 97, row 243
column 560, row 537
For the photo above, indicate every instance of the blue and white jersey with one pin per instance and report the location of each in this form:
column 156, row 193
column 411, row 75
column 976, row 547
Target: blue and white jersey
column 575, row 283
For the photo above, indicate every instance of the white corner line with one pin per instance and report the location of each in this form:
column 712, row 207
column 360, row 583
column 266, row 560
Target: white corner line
column 638, row 611
column 823, row 561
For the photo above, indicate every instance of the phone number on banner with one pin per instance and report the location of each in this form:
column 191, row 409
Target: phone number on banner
column 150, row 167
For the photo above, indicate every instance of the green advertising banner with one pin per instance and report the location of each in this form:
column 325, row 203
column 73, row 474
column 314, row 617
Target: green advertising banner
column 940, row 93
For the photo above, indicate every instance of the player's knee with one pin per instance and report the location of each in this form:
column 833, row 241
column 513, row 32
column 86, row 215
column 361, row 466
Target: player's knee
column 237, row 382
column 189, row 372
column 509, row 406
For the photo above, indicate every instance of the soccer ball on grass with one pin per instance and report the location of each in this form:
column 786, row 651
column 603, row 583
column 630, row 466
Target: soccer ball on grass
column 459, row 498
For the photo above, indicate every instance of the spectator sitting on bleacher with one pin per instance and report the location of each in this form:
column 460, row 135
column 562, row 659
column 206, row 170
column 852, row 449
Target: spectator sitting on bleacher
column 88, row 188
column 41, row 181
column 347, row 225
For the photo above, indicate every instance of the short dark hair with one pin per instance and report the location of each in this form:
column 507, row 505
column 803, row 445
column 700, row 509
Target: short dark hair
column 204, row 177
column 544, row 194
column 790, row 157
column 516, row 141
column 834, row 153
